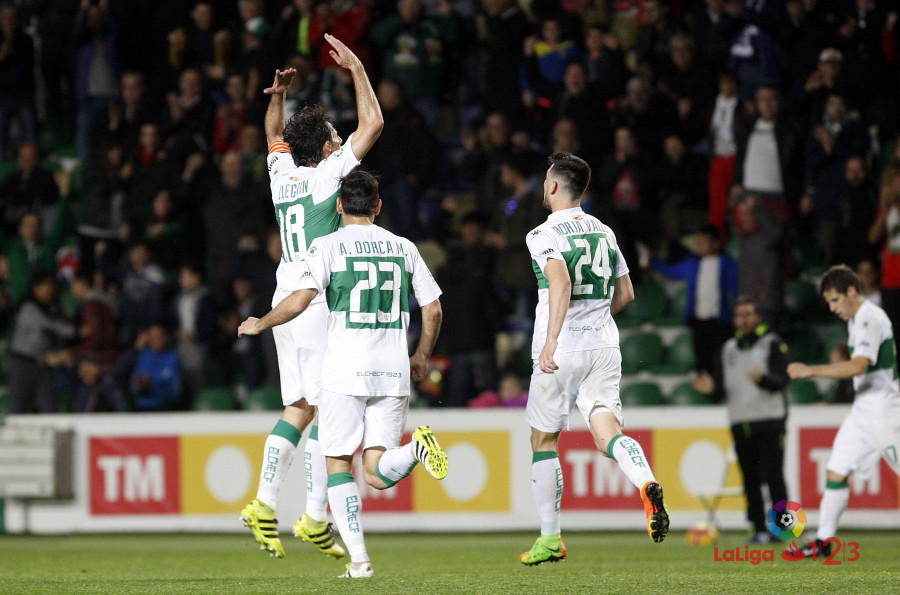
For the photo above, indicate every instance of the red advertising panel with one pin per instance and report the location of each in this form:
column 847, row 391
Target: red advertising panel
column 134, row 475
column 877, row 491
column 593, row 481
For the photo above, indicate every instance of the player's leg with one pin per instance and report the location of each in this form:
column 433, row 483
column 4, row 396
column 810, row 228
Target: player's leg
column 598, row 400
column 849, row 448
column 384, row 462
column 281, row 444
column 342, row 419
column 547, row 412
column 748, row 456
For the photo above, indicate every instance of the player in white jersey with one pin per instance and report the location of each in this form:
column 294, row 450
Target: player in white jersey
column 872, row 428
column 306, row 162
column 367, row 275
column 582, row 282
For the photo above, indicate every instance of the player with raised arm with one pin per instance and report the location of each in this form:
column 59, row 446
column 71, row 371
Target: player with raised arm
column 367, row 275
column 872, row 428
column 582, row 282
column 306, row 162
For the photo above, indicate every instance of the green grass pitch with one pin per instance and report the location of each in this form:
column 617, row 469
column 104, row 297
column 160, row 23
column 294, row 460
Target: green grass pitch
column 439, row 563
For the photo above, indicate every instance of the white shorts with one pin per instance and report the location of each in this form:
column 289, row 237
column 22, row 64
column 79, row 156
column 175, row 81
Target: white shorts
column 301, row 345
column 863, row 439
column 589, row 379
column 346, row 422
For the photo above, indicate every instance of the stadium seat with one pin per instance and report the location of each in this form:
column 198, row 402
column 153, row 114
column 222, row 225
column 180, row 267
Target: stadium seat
column 685, row 394
column 215, row 399
column 799, row 299
column 650, row 299
column 674, row 312
column 679, row 356
column 641, row 351
column 803, row 345
column 802, row 392
column 835, row 337
column 264, row 399
column 641, row 394
column 629, row 317
column 808, row 255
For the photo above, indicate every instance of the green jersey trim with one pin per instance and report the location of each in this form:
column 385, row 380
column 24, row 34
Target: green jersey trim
column 373, row 292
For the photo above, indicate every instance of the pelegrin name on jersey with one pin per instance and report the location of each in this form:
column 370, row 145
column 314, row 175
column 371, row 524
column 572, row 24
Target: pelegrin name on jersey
column 287, row 191
column 576, row 226
column 378, row 247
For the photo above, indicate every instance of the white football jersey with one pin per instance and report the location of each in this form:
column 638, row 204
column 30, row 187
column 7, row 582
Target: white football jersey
column 871, row 336
column 367, row 275
column 305, row 206
column 592, row 257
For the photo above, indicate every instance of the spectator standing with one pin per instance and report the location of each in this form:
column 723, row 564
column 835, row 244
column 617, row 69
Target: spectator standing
column 857, row 209
column 501, row 30
column 96, row 322
column 767, row 191
column 886, row 229
column 605, row 64
column 29, row 188
column 680, row 187
column 195, row 313
column 16, row 79
column 754, row 50
column 712, row 281
column 689, row 83
column 38, row 330
column 728, row 113
column 142, row 293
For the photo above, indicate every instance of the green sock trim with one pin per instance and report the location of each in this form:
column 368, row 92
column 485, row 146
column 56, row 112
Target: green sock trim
column 388, row 482
column 609, row 447
column 544, row 455
column 286, row 431
column 314, row 433
column 835, row 485
column 339, row 479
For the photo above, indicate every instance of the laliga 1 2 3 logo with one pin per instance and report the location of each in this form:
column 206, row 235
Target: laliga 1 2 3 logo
column 786, row 519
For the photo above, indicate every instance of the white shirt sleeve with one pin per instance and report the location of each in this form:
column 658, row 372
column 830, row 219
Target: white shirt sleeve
column 869, row 335
column 338, row 164
column 542, row 247
column 424, row 286
column 317, row 273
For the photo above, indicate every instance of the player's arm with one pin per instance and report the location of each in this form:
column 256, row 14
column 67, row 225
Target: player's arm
column 623, row 294
column 288, row 309
column 839, row 370
column 432, row 315
column 367, row 109
column 560, row 290
column 274, row 123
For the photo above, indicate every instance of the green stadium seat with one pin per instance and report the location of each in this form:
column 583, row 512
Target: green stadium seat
column 802, row 392
column 679, row 356
column 264, row 399
column 799, row 298
column 808, row 254
column 803, row 345
column 629, row 317
column 641, row 351
column 650, row 300
column 685, row 394
column 835, row 337
column 674, row 313
column 215, row 399
column 641, row 394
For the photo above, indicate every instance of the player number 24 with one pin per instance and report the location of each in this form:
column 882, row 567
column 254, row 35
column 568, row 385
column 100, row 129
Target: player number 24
column 592, row 267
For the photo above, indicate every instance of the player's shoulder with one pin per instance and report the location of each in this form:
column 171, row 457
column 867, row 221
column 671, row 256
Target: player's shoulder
column 870, row 314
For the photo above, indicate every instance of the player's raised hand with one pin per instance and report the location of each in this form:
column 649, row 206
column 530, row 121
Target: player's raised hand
column 249, row 327
column 545, row 361
column 341, row 53
column 797, row 370
column 282, row 81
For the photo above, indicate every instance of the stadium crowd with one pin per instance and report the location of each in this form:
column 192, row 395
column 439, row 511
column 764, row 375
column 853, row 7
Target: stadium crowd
column 137, row 226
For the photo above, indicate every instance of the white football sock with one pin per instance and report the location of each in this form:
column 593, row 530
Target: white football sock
column 547, row 487
column 630, row 456
column 833, row 503
column 277, row 456
column 316, row 478
column 346, row 507
column 396, row 463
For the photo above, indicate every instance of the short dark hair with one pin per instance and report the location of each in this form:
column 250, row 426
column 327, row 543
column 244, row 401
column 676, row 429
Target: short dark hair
column 573, row 173
column 745, row 300
column 194, row 267
column 518, row 162
column 305, row 133
column 359, row 193
column 840, row 277
column 40, row 276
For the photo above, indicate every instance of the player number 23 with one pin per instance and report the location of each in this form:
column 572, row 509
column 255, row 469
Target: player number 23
column 361, row 312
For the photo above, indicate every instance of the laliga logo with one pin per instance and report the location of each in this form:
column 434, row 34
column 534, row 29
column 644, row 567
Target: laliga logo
column 786, row 519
